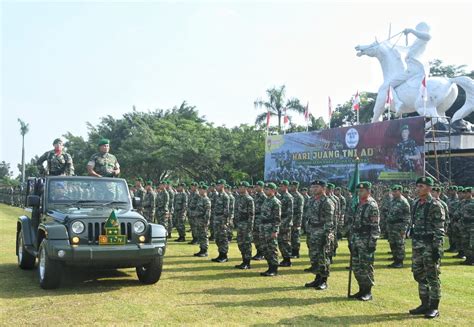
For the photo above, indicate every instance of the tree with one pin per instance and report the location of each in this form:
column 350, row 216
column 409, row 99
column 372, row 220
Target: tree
column 5, row 170
column 277, row 105
column 31, row 169
column 24, row 128
column 345, row 115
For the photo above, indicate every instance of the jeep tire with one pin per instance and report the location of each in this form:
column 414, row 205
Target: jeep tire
column 150, row 273
column 49, row 271
column 25, row 259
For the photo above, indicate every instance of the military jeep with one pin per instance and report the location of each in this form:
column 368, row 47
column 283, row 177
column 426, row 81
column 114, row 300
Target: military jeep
column 86, row 222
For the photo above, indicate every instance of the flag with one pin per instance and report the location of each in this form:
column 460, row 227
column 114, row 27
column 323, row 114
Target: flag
column 424, row 90
column 353, row 182
column 306, row 112
column 356, row 102
column 329, row 107
column 389, row 100
column 285, row 120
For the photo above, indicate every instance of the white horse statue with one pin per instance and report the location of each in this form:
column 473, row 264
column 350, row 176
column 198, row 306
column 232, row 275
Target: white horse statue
column 442, row 91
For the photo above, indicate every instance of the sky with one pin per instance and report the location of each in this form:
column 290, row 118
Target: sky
column 66, row 63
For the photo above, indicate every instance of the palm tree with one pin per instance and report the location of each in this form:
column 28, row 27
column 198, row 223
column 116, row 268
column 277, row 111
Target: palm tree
column 276, row 105
column 24, row 128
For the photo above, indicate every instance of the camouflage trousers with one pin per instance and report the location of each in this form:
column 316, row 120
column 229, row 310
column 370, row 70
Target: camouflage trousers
column 362, row 261
column 244, row 239
column 467, row 240
column 230, row 228
column 163, row 218
column 295, row 238
column 396, row 239
column 334, row 242
column 452, row 235
column 178, row 222
column 269, row 244
column 221, row 234
column 383, row 226
column 284, row 241
column 319, row 247
column 201, row 227
column 192, row 225
column 340, row 227
column 256, row 236
column 425, row 270
column 456, row 234
column 148, row 213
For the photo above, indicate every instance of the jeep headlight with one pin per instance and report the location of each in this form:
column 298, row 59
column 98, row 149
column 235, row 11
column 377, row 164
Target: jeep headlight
column 77, row 227
column 138, row 227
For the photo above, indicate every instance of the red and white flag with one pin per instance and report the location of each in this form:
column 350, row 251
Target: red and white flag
column 424, row 90
column 356, row 102
column 389, row 100
column 306, row 112
column 329, row 107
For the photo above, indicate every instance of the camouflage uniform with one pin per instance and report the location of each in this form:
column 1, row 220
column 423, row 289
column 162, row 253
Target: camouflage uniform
column 104, row 164
column 270, row 223
column 179, row 215
column 212, row 196
column 284, row 235
column 452, row 205
column 56, row 164
column 384, row 212
column 335, row 218
column 140, row 193
column 259, row 198
column 192, row 206
column 428, row 233
column 149, row 205
column 364, row 233
column 404, row 148
column 320, row 231
column 221, row 213
column 162, row 212
column 202, row 217
column 170, row 209
column 467, row 222
column 231, row 215
column 397, row 222
column 244, row 219
column 342, row 214
column 298, row 205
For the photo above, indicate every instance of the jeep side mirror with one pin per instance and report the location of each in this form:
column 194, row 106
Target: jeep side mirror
column 136, row 202
column 33, row 201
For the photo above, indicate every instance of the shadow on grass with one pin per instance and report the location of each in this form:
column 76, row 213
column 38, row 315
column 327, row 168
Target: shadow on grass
column 17, row 283
column 314, row 320
column 277, row 302
column 245, row 291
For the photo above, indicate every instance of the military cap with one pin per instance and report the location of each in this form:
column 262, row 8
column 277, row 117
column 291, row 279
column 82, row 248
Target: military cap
column 304, row 189
column 397, row 187
column 338, row 188
column 467, row 189
column 320, row 183
column 364, row 185
column 212, row 184
column 56, row 141
column 425, row 180
column 221, row 182
column 284, row 182
column 271, row 186
column 244, row 184
column 103, row 141
column 453, row 188
column 203, row 186
column 162, row 182
column 194, row 184
column 436, row 188
column 295, row 183
column 404, row 127
column 139, row 179
column 460, row 188
column 260, row 183
column 330, row 186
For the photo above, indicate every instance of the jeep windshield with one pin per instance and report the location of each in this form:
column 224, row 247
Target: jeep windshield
column 87, row 192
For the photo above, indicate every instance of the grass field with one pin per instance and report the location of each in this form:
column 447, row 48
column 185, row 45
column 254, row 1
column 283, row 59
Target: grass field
column 194, row 291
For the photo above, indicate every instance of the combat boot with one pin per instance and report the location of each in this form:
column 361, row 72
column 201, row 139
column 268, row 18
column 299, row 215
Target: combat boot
column 366, row 294
column 396, row 264
column 221, row 258
column 202, row 253
column 423, row 308
column 315, row 282
column 272, row 271
column 180, row 239
column 286, row 262
column 259, row 256
column 266, row 272
column 323, row 284
column 245, row 265
column 460, row 255
column 356, row 295
column 433, row 310
column 295, row 253
column 468, row 262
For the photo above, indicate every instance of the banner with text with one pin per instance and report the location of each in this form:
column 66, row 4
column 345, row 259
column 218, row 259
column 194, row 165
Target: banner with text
column 389, row 150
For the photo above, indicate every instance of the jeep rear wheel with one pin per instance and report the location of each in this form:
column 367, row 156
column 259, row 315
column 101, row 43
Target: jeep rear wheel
column 150, row 273
column 49, row 271
column 25, row 259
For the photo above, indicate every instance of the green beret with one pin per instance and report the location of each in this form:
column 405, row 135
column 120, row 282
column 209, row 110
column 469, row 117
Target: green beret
column 467, row 189
column 295, row 183
column 364, row 185
column 338, row 188
column 436, row 188
column 425, row 180
column 271, row 186
column 139, row 179
column 260, row 183
column 149, row 182
column 203, row 187
column 244, row 184
column 320, row 183
column 397, row 187
column 460, row 189
column 221, row 182
column 162, row 182
column 404, row 127
column 182, row 184
column 284, row 182
column 194, row 184
column 56, row 141
column 453, row 188
column 304, row 189
column 103, row 141
column 330, row 186
column 212, row 184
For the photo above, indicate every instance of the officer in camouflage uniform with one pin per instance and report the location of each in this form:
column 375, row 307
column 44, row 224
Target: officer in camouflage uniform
column 452, row 202
column 192, row 205
column 337, row 211
column 202, row 216
column 406, row 152
column 456, row 223
column 221, row 214
column 259, row 197
column 342, row 212
column 384, row 212
column 244, row 219
column 306, row 197
column 284, row 234
column 398, row 219
column 320, row 212
column 364, row 232
column 169, row 189
column 149, row 202
column 298, row 206
column 179, row 215
column 58, row 162
column 139, row 193
column 467, row 223
column 436, row 193
column 428, row 233
column 212, row 194
column 269, row 228
column 162, row 213
column 229, row 192
column 103, row 163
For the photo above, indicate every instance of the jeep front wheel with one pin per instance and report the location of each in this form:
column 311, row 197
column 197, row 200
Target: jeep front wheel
column 150, row 273
column 49, row 271
column 25, row 259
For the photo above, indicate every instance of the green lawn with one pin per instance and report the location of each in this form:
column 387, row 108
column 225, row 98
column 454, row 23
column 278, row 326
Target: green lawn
column 194, row 291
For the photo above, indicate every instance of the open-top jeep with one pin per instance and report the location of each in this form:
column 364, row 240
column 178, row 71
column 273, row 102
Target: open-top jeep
column 89, row 222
